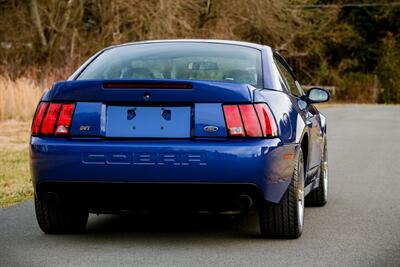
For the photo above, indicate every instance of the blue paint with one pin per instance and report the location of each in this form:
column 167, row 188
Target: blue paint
column 201, row 156
column 206, row 161
column 86, row 121
column 209, row 115
column 202, row 92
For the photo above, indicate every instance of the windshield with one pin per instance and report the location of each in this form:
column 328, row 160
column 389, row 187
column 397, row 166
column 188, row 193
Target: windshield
column 184, row 61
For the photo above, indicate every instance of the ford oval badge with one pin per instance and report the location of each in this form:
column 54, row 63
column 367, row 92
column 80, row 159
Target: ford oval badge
column 210, row 129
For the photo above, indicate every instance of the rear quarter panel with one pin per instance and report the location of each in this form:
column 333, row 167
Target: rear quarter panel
column 290, row 123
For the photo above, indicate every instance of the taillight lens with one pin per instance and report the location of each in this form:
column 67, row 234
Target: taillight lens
column 64, row 121
column 50, row 119
column 37, row 120
column 250, row 120
column 53, row 118
column 233, row 120
column 267, row 121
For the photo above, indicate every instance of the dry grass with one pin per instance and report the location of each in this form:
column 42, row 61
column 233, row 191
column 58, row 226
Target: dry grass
column 15, row 181
column 18, row 98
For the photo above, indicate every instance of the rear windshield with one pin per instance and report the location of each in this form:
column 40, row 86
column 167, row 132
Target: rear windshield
column 183, row 61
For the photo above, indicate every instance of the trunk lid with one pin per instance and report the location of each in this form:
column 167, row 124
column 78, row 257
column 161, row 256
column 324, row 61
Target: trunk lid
column 199, row 91
column 149, row 108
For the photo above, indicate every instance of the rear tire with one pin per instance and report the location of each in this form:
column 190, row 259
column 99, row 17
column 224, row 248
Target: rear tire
column 59, row 219
column 285, row 220
column 319, row 196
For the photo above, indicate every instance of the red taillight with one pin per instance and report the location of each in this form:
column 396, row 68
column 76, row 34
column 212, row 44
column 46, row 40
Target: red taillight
column 233, row 120
column 53, row 118
column 267, row 121
column 50, row 119
column 37, row 120
column 250, row 120
column 64, row 121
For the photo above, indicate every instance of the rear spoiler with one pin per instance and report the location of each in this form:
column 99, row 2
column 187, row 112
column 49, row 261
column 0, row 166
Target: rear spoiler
column 173, row 91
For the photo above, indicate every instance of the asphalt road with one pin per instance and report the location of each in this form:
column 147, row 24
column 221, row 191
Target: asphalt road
column 360, row 225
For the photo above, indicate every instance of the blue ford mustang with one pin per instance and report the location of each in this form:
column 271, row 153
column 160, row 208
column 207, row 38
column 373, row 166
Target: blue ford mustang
column 202, row 125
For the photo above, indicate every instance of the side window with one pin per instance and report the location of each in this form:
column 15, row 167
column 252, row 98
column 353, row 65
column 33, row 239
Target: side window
column 289, row 79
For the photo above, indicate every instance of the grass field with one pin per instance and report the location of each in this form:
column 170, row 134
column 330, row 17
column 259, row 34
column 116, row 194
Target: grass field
column 15, row 181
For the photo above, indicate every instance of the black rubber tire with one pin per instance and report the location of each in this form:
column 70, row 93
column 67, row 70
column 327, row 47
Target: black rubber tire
column 282, row 220
column 319, row 196
column 60, row 219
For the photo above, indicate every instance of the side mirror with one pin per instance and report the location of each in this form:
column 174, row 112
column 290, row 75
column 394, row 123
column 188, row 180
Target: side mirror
column 317, row 95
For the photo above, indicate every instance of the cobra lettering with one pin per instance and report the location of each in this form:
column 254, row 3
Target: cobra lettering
column 145, row 158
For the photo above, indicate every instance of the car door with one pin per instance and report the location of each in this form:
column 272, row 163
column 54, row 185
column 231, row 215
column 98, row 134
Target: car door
column 309, row 113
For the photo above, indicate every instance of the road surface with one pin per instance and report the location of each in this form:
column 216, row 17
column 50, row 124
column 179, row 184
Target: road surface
column 360, row 225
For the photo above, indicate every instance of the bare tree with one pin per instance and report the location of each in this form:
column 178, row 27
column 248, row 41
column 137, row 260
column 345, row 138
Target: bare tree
column 37, row 21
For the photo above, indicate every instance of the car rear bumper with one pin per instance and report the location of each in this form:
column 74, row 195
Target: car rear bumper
column 113, row 197
column 83, row 164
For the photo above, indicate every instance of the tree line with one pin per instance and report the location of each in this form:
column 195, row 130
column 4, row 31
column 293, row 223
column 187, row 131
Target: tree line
column 355, row 48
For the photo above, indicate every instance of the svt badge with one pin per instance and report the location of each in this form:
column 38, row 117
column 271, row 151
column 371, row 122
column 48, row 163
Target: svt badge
column 84, row 128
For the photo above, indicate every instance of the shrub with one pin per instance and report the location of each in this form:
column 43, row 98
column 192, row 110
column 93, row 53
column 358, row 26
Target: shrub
column 358, row 88
column 388, row 72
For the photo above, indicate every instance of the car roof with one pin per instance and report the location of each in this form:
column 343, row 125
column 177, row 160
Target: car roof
column 212, row 41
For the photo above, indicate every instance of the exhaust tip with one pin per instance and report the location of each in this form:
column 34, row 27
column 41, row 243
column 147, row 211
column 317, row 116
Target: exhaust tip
column 245, row 201
column 51, row 198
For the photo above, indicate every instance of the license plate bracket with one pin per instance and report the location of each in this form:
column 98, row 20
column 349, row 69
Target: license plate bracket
column 148, row 122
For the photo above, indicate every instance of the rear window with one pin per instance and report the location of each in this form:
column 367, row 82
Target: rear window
column 183, row 61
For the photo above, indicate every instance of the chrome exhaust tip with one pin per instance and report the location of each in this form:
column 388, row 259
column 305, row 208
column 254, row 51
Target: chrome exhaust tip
column 245, row 201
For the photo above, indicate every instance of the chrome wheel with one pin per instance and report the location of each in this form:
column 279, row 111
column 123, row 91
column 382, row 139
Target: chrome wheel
column 300, row 204
column 325, row 172
column 325, row 177
column 300, row 195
